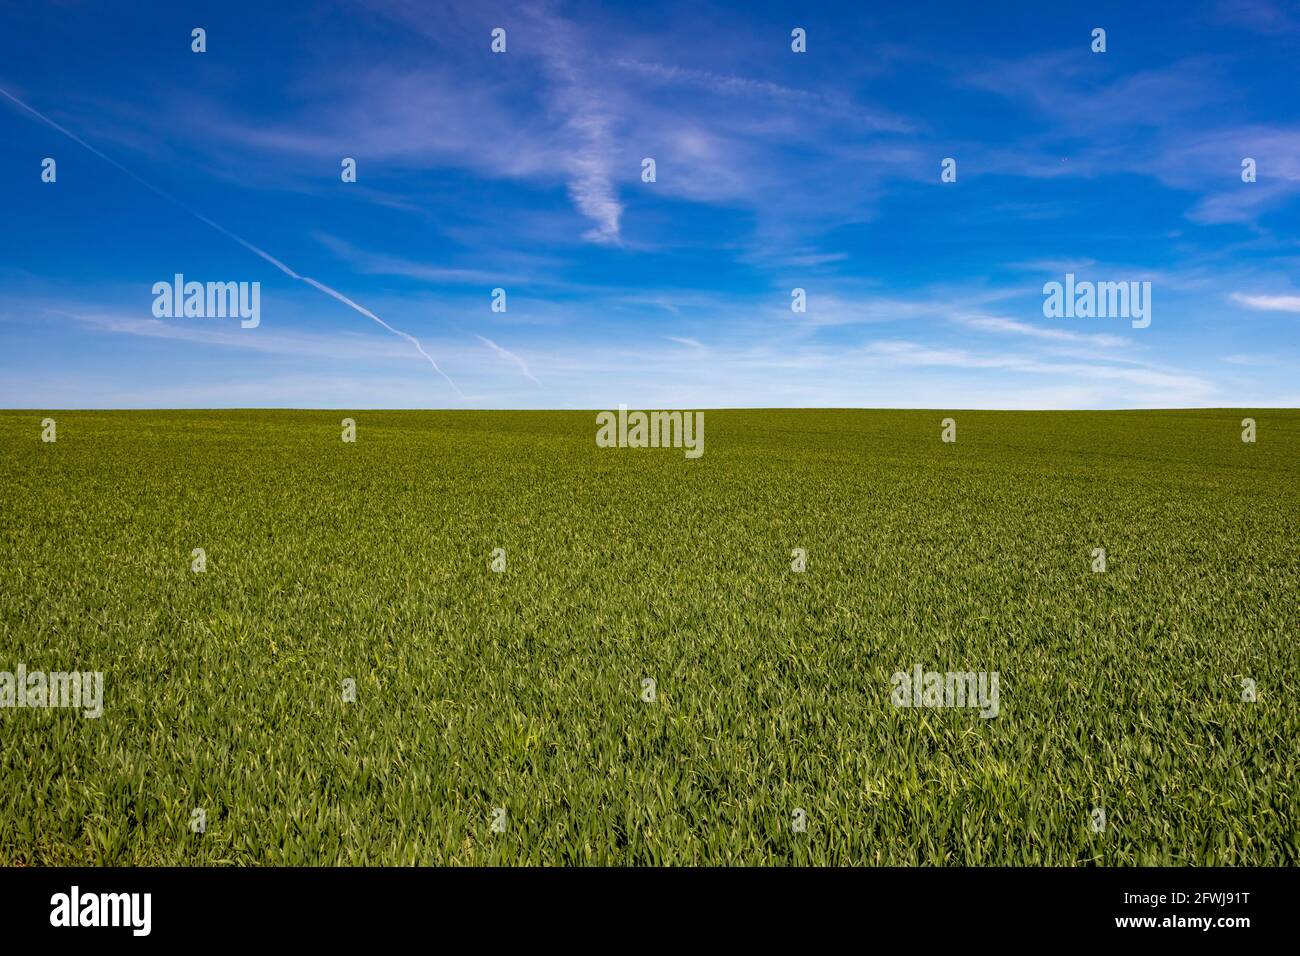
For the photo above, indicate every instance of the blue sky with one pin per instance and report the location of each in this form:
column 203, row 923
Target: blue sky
column 775, row 170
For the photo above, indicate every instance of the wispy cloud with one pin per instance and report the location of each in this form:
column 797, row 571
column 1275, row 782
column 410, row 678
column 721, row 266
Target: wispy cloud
column 1187, row 387
column 340, row 346
column 1268, row 303
column 378, row 264
column 688, row 342
column 988, row 323
column 832, row 104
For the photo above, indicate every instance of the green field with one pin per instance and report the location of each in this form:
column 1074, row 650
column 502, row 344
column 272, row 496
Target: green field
column 522, row 690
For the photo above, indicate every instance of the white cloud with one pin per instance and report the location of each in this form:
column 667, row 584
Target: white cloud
column 351, row 346
column 1269, row 303
column 988, row 323
column 690, row 343
column 374, row 264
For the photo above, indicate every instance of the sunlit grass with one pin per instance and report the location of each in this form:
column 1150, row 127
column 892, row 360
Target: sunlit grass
column 521, row 690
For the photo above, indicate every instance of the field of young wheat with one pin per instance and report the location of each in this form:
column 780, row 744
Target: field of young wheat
column 645, row 677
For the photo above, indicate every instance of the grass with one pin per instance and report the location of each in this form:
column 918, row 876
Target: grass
column 475, row 690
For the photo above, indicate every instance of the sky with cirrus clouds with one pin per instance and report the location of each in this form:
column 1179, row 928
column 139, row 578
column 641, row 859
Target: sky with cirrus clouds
column 523, row 171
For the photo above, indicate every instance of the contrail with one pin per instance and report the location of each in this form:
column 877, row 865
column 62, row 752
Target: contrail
column 507, row 355
column 230, row 235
